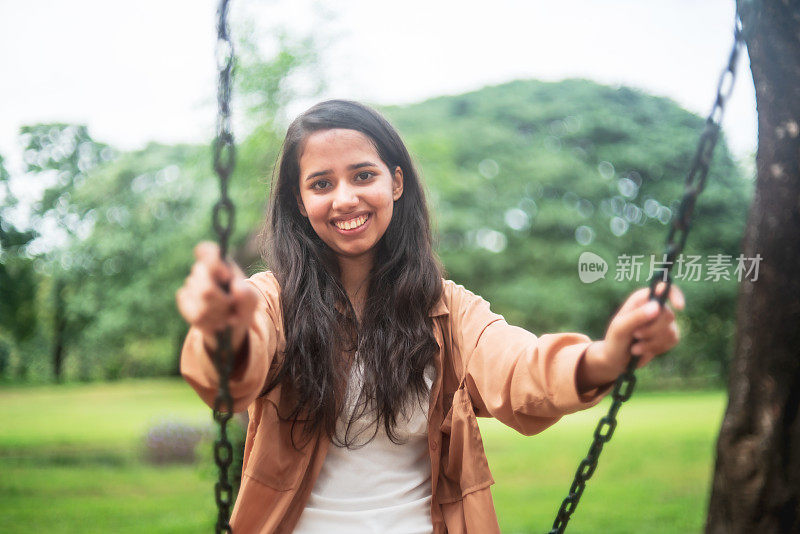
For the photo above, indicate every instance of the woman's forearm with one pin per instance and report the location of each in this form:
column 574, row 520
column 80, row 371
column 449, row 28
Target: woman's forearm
column 594, row 370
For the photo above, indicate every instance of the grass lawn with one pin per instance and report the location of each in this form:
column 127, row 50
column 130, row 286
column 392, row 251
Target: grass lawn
column 123, row 499
column 69, row 462
column 653, row 476
column 103, row 416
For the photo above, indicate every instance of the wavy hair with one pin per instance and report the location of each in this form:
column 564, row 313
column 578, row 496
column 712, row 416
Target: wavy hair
column 394, row 341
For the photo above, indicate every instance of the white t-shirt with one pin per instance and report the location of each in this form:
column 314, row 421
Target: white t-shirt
column 380, row 487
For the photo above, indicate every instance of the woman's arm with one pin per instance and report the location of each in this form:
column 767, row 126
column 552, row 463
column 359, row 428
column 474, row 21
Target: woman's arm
column 526, row 382
column 251, row 309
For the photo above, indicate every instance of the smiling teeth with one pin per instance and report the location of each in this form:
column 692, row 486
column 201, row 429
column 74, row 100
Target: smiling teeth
column 352, row 223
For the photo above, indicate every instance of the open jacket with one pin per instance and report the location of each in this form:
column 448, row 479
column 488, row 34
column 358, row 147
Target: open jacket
column 484, row 367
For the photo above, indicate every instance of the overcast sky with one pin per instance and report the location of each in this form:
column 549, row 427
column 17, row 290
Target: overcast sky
column 141, row 71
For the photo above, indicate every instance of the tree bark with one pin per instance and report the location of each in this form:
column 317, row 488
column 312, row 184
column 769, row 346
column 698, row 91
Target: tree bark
column 756, row 485
column 59, row 329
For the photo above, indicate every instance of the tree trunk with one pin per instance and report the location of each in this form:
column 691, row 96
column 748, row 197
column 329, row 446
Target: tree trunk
column 59, row 329
column 756, row 484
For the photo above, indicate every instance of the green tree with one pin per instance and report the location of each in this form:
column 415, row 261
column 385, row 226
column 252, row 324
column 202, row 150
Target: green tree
column 17, row 278
column 58, row 156
column 527, row 175
column 149, row 208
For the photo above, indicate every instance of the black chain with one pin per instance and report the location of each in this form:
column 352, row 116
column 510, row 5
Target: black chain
column 676, row 239
column 223, row 217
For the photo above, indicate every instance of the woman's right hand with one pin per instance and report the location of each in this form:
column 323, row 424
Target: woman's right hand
column 205, row 305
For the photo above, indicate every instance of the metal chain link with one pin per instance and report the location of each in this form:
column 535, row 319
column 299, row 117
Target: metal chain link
column 676, row 239
column 223, row 218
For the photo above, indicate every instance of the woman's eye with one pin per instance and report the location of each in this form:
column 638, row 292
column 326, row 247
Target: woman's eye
column 366, row 175
column 315, row 184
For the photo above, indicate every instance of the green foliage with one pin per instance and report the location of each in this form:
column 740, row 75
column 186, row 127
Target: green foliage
column 68, row 152
column 18, row 317
column 525, row 176
column 522, row 178
column 265, row 86
column 17, row 295
column 57, row 157
column 148, row 209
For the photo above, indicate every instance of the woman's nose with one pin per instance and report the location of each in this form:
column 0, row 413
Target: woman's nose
column 345, row 198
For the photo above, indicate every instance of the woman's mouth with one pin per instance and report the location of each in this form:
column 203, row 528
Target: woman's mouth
column 354, row 225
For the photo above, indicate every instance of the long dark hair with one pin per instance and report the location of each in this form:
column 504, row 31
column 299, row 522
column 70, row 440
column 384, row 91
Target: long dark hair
column 395, row 338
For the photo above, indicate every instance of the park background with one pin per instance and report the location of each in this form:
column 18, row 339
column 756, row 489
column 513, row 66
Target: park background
column 542, row 131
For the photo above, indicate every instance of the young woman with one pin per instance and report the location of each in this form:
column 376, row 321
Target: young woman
column 361, row 367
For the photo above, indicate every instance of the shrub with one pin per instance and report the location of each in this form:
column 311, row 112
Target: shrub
column 173, row 441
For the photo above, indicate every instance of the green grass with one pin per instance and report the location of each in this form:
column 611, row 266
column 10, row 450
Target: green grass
column 41, row 497
column 69, row 462
column 105, row 415
column 653, row 476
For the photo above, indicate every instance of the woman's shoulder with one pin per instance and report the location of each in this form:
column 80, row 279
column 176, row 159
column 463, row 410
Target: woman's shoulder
column 466, row 310
column 456, row 297
column 454, row 291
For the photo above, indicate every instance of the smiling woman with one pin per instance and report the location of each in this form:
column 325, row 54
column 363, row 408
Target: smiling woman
column 349, row 205
column 362, row 368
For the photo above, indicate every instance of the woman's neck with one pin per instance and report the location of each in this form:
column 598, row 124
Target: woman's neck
column 354, row 276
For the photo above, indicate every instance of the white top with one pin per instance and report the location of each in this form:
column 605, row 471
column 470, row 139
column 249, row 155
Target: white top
column 380, row 487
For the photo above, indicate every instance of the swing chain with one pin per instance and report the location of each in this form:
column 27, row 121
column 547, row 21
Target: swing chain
column 223, row 217
column 676, row 239
column 623, row 389
column 224, row 149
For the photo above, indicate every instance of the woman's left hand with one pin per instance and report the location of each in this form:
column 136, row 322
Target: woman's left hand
column 653, row 329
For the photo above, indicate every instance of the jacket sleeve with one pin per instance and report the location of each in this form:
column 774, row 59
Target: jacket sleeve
column 248, row 378
column 524, row 381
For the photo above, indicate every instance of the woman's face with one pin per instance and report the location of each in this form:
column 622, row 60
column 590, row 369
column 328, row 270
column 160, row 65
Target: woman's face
column 346, row 191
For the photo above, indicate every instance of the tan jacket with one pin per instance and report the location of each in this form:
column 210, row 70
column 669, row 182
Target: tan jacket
column 485, row 367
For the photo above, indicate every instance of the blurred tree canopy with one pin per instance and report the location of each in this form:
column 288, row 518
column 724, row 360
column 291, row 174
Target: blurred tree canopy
column 527, row 175
column 17, row 278
column 120, row 238
column 522, row 178
column 58, row 156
